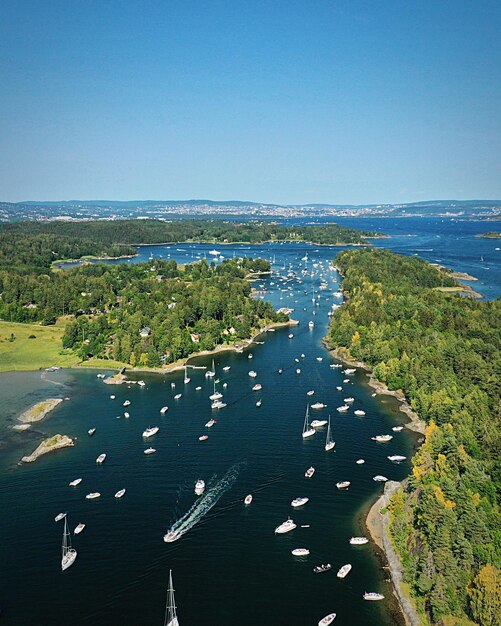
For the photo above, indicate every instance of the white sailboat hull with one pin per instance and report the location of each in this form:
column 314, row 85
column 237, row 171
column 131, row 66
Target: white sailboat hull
column 68, row 559
column 173, row 622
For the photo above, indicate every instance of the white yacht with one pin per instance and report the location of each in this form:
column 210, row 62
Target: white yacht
column 149, row 451
column 298, row 371
column 79, row 528
column 329, row 443
column 75, row 482
column 248, row 499
column 358, row 541
column 371, row 595
column 344, row 571
column 257, row 387
column 309, row 472
column 285, row 527
column 170, row 608
column 91, row 431
column 177, row 396
column 198, row 388
column 307, row 430
column 112, row 397
column 300, row 552
column 380, row 479
column 212, row 372
column 127, row 403
column 164, row 410
column 210, row 423
column 299, row 502
column 382, row 438
column 359, row 412
column 141, row 383
column 69, row 554
column 339, row 388
column 396, row 458
column 217, row 404
column 360, row 462
column 149, row 432
column 291, row 335
column 259, row 403
column 93, row 495
column 101, row 458
column 343, row 484
column 311, row 324
column 126, row 414
column 348, row 400
column 199, row 487
column 310, row 393
column 173, row 385
column 252, row 374
column 343, row 408
column 328, row 619
column 59, row 517
column 397, row 429
column 203, row 437
column 318, row 423
column 226, row 368
column 318, row 405
column 120, row 493
column 349, row 370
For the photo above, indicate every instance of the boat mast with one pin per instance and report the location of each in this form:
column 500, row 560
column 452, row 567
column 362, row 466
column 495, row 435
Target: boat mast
column 306, row 424
column 170, row 607
column 66, row 538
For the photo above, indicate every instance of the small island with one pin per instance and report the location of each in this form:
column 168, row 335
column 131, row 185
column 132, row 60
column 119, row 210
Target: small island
column 38, row 411
column 57, row 442
column 490, row 235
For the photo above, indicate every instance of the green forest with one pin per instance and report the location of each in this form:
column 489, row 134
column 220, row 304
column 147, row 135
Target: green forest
column 181, row 310
column 25, row 245
column 444, row 352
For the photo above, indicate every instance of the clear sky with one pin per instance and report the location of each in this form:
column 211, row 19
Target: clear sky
column 337, row 101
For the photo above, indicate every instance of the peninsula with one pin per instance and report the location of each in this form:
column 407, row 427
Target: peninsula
column 442, row 353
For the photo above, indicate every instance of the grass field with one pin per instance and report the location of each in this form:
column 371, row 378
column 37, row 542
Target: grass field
column 24, row 353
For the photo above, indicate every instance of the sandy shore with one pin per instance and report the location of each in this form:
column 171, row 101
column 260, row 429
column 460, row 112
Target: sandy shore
column 377, row 524
column 38, row 411
column 57, row 442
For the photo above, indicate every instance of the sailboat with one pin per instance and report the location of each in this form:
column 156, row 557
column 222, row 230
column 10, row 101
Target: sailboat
column 329, row 444
column 69, row 554
column 170, row 607
column 217, row 395
column 307, row 430
column 212, row 372
column 186, row 377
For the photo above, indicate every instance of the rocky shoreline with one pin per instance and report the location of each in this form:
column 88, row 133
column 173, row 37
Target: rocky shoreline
column 57, row 442
column 37, row 412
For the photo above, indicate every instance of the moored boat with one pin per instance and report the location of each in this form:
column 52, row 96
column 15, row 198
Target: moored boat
column 299, row 502
column 328, row 619
column 93, row 495
column 91, row 431
column 120, row 493
column 318, row 405
column 149, row 451
column 75, row 482
column 318, row 423
column 343, row 484
column 358, row 541
column 300, row 552
column 101, row 458
column 203, row 437
column 164, row 410
column 59, row 517
column 344, row 571
column 371, row 595
column 397, row 458
column 69, row 554
column 359, row 412
column 149, row 432
column 329, row 443
column 285, row 527
column 320, row 569
column 309, row 472
column 79, row 528
column 382, row 438
column 248, row 499
column 307, row 430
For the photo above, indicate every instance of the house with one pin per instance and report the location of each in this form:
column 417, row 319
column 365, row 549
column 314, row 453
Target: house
column 195, row 337
column 145, row 332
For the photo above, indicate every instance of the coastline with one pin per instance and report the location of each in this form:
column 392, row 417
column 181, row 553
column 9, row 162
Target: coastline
column 57, row 442
column 37, row 412
column 377, row 523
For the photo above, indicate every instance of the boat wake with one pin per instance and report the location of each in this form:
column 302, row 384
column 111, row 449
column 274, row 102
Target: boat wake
column 202, row 506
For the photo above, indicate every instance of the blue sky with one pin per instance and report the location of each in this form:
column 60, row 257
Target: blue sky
column 338, row 101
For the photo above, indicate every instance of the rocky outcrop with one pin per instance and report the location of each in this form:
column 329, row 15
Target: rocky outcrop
column 49, row 445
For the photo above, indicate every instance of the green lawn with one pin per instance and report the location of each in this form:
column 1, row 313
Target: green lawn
column 32, row 354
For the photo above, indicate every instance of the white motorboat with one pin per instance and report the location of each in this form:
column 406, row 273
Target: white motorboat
column 285, row 527
column 371, row 595
column 126, row 414
column 300, row 552
column 311, row 324
column 149, row 432
column 141, row 383
column 127, row 403
column 358, row 541
column 344, row 484
column 112, row 397
column 335, row 365
column 320, row 359
column 339, row 388
column 299, row 502
column 93, row 495
column 173, row 385
column 318, row 423
column 170, row 608
column 101, row 458
column 318, row 405
column 210, row 423
column 343, row 408
column 91, row 431
column 359, row 412
column 149, row 451
column 380, row 479
column 291, row 335
column 75, row 482
column 344, row 571
column 79, row 528
column 307, row 430
column 217, row 404
column 226, row 368
column 328, row 619
column 310, row 393
column 309, row 472
column 252, row 374
column 298, row 371
column 199, row 487
column 257, row 387
column 320, row 569
column 348, row 400
column 203, row 437
column 250, row 356
column 329, row 443
column 397, row 429
column 349, row 370
column 396, row 458
column 198, row 388
column 164, row 410
column 69, row 554
column 59, row 517
column 259, row 403
column 360, row 462
column 120, row 493
column 346, row 380
column 177, row 396
column 382, row 438
column 248, row 499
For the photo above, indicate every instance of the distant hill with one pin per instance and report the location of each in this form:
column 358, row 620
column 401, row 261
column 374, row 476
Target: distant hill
column 172, row 209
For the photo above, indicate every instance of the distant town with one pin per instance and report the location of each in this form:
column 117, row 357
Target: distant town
column 171, row 209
